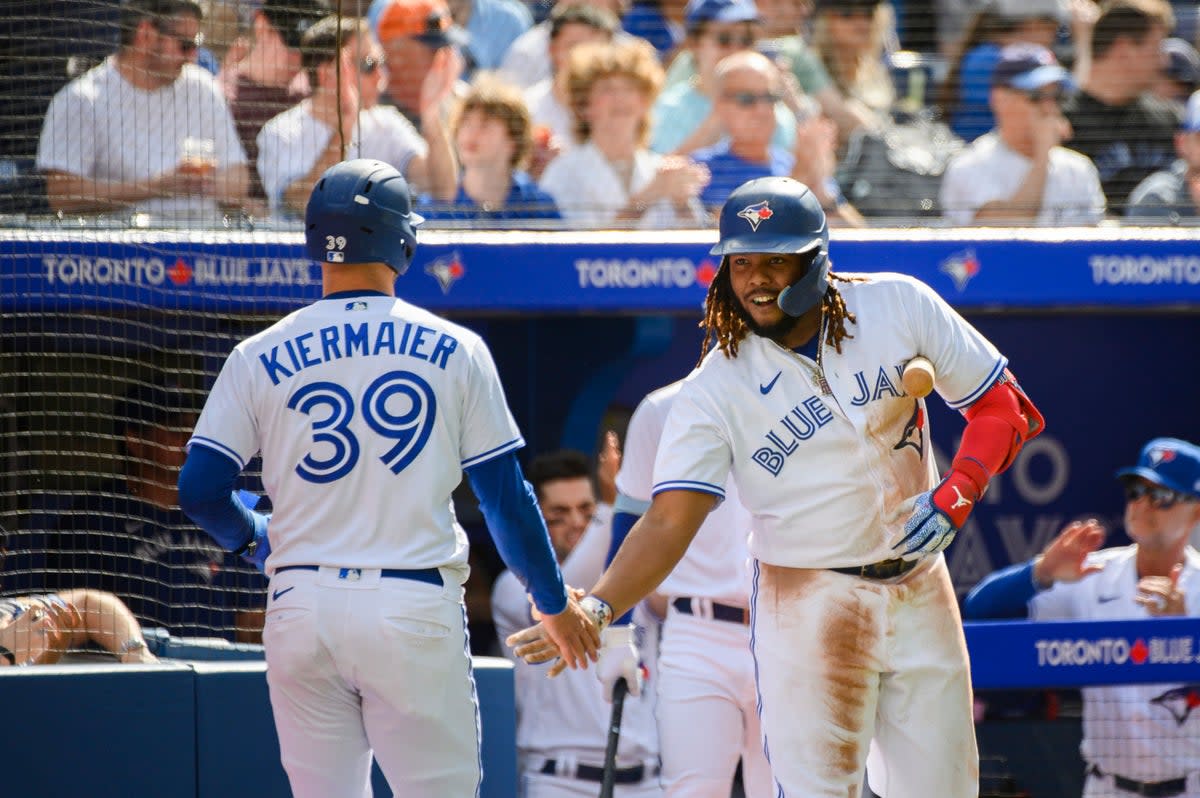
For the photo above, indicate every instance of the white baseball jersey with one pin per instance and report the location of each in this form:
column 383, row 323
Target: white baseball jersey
column 100, row 127
column 1145, row 732
column 341, row 398
column 290, row 143
column 716, row 565
column 830, row 477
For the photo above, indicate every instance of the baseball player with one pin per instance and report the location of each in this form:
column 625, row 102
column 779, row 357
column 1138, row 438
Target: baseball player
column 1139, row 739
column 367, row 410
column 854, row 624
column 562, row 724
column 706, row 671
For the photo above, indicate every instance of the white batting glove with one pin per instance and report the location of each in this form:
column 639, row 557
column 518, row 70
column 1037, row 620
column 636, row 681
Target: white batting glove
column 619, row 659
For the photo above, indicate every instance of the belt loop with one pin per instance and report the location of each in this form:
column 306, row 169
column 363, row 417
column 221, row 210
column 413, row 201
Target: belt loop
column 567, row 765
column 706, row 608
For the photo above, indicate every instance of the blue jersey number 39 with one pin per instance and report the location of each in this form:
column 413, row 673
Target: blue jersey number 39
column 399, row 406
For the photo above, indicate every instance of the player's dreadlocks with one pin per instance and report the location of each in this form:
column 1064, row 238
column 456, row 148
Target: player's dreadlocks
column 723, row 321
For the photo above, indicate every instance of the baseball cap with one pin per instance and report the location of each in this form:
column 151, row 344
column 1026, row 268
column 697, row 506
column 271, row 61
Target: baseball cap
column 427, row 21
column 1028, row 67
column 700, row 11
column 1183, row 62
column 1191, row 114
column 1168, row 462
column 1031, row 9
column 847, row 5
column 293, row 17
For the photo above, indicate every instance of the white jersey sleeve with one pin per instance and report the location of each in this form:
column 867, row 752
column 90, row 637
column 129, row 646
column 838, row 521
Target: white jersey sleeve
column 229, row 408
column 636, row 477
column 693, row 453
column 489, row 429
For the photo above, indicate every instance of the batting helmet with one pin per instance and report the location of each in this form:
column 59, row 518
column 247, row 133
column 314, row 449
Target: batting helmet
column 779, row 215
column 360, row 211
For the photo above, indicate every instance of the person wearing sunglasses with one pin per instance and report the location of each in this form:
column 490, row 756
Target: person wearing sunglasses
column 113, row 139
column 344, row 119
column 685, row 118
column 1140, row 739
column 1020, row 173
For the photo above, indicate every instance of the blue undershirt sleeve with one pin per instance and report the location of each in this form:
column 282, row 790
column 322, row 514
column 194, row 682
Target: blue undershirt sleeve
column 510, row 508
column 626, row 512
column 1003, row 594
column 207, row 496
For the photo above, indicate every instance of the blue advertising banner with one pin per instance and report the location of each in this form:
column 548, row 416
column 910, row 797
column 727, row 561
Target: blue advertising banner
column 560, row 272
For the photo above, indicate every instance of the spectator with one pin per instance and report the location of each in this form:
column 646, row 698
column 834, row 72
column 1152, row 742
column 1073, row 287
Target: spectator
column 1173, row 195
column 421, row 46
column 264, row 83
column 492, row 133
column 610, row 178
column 660, row 22
column 115, row 138
column 528, row 60
column 571, row 24
column 1126, row 132
column 747, row 87
column 343, row 119
column 1020, row 173
column 552, row 763
column 1180, row 76
column 684, row 116
column 1135, row 738
column 491, row 26
column 964, row 98
column 852, row 39
column 128, row 536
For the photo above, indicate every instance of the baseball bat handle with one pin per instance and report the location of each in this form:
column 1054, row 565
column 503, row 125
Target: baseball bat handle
column 620, row 690
column 918, row 376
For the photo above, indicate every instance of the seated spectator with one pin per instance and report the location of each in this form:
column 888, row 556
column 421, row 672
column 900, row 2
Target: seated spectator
column 422, row 49
column 747, row 87
column 128, row 536
column 852, row 39
column 610, row 179
column 571, row 24
column 115, row 138
column 660, row 22
column 491, row 26
column 964, row 97
column 1135, row 740
column 1173, row 195
column 1127, row 133
column 528, row 60
column 1020, row 173
column 684, row 118
column 492, row 133
column 264, row 83
column 1180, row 75
column 343, row 119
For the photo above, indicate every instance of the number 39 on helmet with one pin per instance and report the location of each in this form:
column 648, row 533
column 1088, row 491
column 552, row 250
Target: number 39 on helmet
column 360, row 211
column 779, row 215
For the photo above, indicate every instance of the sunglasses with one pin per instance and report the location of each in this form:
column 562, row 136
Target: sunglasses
column 1159, row 497
column 187, row 44
column 1043, row 96
column 369, row 65
column 748, row 99
column 727, row 39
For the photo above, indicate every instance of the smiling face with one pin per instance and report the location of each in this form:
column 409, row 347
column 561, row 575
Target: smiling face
column 757, row 278
column 1156, row 524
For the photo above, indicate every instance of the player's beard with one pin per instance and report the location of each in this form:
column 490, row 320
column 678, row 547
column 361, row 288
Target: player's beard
column 776, row 332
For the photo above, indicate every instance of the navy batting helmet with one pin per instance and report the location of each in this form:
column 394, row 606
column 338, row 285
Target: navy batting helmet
column 360, row 211
column 779, row 215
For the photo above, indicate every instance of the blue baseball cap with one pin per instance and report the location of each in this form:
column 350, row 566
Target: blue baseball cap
column 1029, row 67
column 1191, row 114
column 700, row 11
column 1168, row 462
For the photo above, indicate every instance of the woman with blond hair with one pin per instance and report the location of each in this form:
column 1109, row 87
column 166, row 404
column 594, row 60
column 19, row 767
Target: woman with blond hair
column 612, row 179
column 852, row 37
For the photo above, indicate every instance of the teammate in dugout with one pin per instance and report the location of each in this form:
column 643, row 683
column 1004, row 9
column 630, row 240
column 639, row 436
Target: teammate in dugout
column 854, row 623
column 367, row 410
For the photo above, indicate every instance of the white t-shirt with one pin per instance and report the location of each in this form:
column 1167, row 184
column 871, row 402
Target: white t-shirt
column 831, row 478
column 716, row 565
column 101, row 127
column 366, row 411
column 290, row 143
column 989, row 170
column 589, row 193
column 546, row 110
column 1146, row 732
column 528, row 58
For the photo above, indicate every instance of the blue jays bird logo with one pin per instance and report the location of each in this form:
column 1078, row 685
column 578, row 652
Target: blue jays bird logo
column 961, row 267
column 1180, row 701
column 447, row 271
column 913, row 432
column 756, row 214
column 1159, row 456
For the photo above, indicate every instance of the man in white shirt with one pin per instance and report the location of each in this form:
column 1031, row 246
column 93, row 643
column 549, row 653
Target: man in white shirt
column 1020, row 173
column 296, row 147
column 147, row 130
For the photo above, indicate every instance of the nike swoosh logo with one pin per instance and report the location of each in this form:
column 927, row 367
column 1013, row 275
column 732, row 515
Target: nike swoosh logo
column 1106, row 599
column 275, row 596
column 766, row 389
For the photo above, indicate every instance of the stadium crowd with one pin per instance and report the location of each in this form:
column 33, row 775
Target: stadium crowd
column 182, row 112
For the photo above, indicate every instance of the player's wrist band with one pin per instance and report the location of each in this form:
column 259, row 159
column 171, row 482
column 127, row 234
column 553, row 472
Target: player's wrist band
column 600, row 611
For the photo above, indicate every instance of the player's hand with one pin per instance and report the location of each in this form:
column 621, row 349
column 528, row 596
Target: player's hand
column 1160, row 595
column 937, row 516
column 1065, row 559
column 257, row 555
column 572, row 635
column 619, row 659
